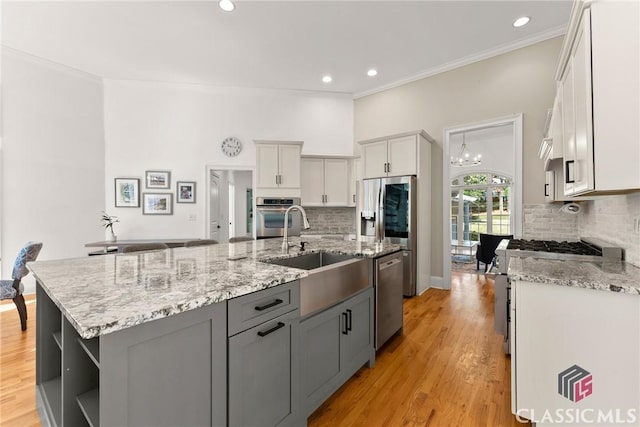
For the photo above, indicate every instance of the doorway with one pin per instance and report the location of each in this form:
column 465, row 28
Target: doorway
column 230, row 203
column 482, row 187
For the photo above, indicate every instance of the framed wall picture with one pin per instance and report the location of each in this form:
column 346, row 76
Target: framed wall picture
column 157, row 179
column 157, row 204
column 186, row 192
column 127, row 192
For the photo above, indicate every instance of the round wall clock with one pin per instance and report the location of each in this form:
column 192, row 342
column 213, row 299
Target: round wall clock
column 231, row 146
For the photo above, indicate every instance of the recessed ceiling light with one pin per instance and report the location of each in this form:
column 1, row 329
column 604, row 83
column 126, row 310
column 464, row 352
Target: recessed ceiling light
column 226, row 5
column 326, row 79
column 372, row 72
column 523, row 20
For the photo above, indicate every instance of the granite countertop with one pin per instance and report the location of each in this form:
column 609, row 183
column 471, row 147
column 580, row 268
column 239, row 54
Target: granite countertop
column 612, row 276
column 103, row 294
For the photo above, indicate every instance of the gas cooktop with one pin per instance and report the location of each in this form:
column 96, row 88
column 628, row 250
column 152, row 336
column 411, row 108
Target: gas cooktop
column 586, row 249
column 565, row 247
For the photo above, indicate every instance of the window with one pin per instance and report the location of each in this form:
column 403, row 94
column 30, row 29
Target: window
column 480, row 203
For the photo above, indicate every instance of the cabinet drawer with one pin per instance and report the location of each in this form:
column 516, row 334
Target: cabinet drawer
column 250, row 310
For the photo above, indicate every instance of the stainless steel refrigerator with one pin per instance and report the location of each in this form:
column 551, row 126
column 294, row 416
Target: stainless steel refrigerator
column 389, row 213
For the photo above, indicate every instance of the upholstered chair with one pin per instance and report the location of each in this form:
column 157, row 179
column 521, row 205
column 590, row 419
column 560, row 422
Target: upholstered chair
column 486, row 250
column 12, row 289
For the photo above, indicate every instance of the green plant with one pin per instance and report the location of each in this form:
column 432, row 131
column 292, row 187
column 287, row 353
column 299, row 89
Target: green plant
column 109, row 220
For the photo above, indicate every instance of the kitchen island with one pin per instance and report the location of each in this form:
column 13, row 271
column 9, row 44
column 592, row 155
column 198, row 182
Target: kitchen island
column 191, row 336
column 576, row 341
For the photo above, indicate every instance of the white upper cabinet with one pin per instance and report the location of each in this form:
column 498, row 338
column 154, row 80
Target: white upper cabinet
column 374, row 156
column 312, row 180
column 289, row 164
column 599, row 76
column 325, row 181
column 354, row 181
column 402, row 156
column 278, row 164
column 392, row 156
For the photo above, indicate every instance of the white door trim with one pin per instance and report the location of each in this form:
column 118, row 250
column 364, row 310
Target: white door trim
column 516, row 121
column 208, row 170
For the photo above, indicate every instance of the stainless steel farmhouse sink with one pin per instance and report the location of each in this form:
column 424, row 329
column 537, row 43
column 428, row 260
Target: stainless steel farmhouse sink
column 332, row 278
column 313, row 260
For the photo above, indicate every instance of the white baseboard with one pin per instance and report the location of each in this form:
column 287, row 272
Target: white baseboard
column 437, row 282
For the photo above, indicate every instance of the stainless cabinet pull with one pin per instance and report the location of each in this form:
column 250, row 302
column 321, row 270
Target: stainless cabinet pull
column 354, row 198
column 388, row 167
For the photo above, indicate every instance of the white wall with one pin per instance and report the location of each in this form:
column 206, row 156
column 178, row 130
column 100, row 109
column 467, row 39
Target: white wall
column 521, row 81
column 180, row 128
column 53, row 159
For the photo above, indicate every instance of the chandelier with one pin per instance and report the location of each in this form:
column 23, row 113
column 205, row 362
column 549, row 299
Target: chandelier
column 464, row 158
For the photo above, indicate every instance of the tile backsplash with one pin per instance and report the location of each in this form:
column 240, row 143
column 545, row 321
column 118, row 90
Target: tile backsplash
column 546, row 222
column 331, row 220
column 611, row 219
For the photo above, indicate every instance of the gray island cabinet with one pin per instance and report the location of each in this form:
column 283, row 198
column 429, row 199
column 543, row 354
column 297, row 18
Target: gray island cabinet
column 205, row 336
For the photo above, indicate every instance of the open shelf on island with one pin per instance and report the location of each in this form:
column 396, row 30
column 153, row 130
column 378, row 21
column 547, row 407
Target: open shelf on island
column 57, row 336
column 92, row 347
column 52, row 391
column 89, row 403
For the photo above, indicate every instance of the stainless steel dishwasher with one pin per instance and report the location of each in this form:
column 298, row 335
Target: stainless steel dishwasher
column 389, row 288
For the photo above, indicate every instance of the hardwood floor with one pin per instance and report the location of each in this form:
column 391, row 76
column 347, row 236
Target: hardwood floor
column 447, row 369
column 18, row 366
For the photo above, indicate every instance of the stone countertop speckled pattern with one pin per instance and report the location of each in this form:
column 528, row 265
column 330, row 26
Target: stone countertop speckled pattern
column 103, row 294
column 612, row 276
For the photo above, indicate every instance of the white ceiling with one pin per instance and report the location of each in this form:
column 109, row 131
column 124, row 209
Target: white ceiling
column 275, row 44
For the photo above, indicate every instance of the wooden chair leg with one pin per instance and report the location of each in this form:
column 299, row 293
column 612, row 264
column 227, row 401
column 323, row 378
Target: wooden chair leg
column 22, row 311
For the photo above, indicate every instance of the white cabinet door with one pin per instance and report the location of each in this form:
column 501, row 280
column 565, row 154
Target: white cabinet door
column 557, row 327
column 374, row 157
column 336, row 182
column 312, row 181
column 354, row 179
column 582, row 104
column 402, row 156
column 568, row 127
column 555, row 127
column 289, row 166
column 549, row 186
column 267, row 165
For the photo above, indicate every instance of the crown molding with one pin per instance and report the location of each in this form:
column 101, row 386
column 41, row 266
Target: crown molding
column 232, row 90
column 17, row 53
column 476, row 57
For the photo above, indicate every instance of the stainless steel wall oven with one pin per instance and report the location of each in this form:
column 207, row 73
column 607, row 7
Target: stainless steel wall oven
column 270, row 217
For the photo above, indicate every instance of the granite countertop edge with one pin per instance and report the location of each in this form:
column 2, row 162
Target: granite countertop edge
column 108, row 305
column 610, row 276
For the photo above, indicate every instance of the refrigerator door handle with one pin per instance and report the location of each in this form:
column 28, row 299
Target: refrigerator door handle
column 380, row 222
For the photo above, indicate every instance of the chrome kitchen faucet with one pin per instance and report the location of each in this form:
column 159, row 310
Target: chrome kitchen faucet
column 305, row 225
